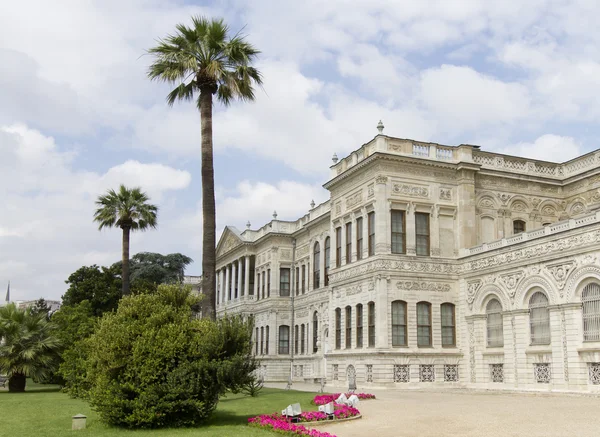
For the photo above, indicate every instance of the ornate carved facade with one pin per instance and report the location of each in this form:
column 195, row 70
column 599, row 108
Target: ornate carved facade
column 429, row 265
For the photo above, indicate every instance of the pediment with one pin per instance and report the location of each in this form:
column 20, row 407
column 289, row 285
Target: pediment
column 229, row 240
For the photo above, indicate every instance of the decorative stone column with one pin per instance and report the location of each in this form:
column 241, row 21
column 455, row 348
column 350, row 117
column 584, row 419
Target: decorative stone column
column 381, row 320
column 239, row 278
column 246, row 275
column 227, row 282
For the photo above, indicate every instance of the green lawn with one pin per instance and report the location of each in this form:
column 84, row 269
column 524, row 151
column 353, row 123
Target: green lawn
column 44, row 411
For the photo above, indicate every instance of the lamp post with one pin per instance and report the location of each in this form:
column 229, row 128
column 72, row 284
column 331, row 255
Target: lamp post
column 292, row 331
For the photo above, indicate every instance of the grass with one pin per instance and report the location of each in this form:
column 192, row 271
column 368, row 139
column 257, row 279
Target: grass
column 43, row 411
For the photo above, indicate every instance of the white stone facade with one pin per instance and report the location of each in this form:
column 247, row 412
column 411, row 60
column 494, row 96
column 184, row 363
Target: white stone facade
column 438, row 266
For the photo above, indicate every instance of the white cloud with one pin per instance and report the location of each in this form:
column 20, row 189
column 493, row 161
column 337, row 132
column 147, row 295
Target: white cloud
column 554, row 148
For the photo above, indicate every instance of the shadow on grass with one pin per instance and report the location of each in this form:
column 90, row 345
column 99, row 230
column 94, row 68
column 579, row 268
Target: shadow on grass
column 32, row 391
column 228, row 418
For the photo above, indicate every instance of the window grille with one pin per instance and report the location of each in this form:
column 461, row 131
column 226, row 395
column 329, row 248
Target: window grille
column 398, row 232
column 335, row 372
column 518, row 227
column 371, row 224
column 497, row 372
column 303, row 278
column 541, row 372
column 426, row 373
column 590, row 297
column 359, row 238
column 359, row 325
column 539, row 318
column 423, row 324
column 401, row 373
column 315, row 332
column 594, row 371
column 371, row 315
column 448, row 325
column 348, row 327
column 338, row 247
column 369, row 373
column 451, row 372
column 284, row 282
column 348, row 243
column 422, row 230
column 327, row 259
column 399, row 323
column 338, row 328
column 495, row 331
column 317, row 266
column 284, row 339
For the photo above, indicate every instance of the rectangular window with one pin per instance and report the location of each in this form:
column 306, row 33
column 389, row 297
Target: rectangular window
column 359, row 238
column 371, row 315
column 267, row 341
column 348, row 243
column 296, row 339
column 284, row 340
column 348, row 327
column 303, row 278
column 338, row 328
column 317, row 266
column 256, row 342
column 264, row 283
column 359, row 325
column 371, row 224
column 399, row 337
column 448, row 325
column 327, row 259
column 423, row 324
column 315, row 332
column 258, row 286
column 269, row 283
column 262, row 339
column 302, row 339
column 422, row 228
column 398, row 232
column 284, row 282
column 338, row 247
column 518, row 227
column 297, row 281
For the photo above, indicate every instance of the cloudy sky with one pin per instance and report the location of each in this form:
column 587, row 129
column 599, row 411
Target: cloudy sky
column 78, row 116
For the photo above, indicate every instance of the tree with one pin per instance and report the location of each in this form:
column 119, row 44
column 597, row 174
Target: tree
column 100, row 286
column 205, row 60
column 41, row 307
column 28, row 346
column 152, row 364
column 128, row 209
column 156, row 268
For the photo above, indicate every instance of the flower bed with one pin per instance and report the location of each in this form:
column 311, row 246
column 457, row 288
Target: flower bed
column 325, row 399
column 280, row 423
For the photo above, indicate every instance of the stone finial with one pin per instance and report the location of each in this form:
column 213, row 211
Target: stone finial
column 274, row 215
column 380, row 127
column 334, row 158
column 248, row 225
column 312, row 204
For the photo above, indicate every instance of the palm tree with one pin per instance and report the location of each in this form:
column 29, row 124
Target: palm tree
column 203, row 60
column 28, row 346
column 128, row 209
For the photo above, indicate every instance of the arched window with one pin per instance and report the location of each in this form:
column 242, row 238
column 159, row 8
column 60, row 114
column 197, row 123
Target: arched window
column 317, row 266
column 284, row 340
column 371, row 315
column 539, row 318
column 448, row 325
column 399, row 337
column 338, row 328
column 348, row 327
column 495, row 331
column 359, row 325
column 315, row 332
column 327, row 259
column 423, row 324
column 518, row 227
column 590, row 296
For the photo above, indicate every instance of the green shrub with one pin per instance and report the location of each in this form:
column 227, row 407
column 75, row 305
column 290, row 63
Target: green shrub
column 151, row 364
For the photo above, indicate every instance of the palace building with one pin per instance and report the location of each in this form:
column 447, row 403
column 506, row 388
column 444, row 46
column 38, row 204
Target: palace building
column 429, row 266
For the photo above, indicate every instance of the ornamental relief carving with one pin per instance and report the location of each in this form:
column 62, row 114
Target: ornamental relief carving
column 511, row 282
column 560, row 273
column 351, row 291
column 385, row 264
column 370, row 190
column 410, row 190
column 446, row 194
column 353, row 200
column 472, row 289
column 302, row 251
column 422, row 286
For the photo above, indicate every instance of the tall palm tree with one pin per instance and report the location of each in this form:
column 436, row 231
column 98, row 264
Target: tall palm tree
column 204, row 60
column 129, row 210
column 28, row 346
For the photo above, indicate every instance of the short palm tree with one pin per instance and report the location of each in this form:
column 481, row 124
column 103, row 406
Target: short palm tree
column 129, row 210
column 28, row 346
column 204, row 60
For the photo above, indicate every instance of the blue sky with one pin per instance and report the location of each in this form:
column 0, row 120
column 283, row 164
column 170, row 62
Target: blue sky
column 78, row 116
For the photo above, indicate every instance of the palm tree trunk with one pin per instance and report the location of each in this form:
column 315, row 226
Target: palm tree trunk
column 16, row 383
column 208, row 206
column 125, row 260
